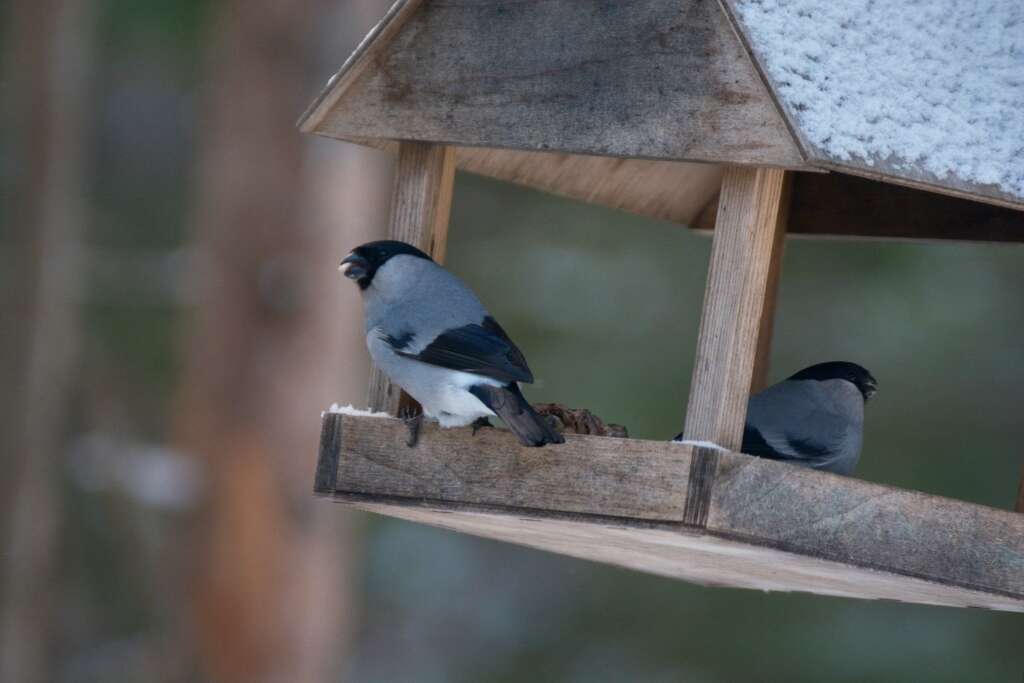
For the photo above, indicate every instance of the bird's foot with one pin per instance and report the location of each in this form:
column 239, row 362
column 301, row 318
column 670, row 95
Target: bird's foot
column 412, row 416
column 479, row 424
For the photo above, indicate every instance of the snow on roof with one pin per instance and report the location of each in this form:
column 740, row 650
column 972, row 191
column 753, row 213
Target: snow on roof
column 916, row 85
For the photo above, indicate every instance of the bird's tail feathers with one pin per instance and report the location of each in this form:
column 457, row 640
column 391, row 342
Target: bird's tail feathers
column 511, row 406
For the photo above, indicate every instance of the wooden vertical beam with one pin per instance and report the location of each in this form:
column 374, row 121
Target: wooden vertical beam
column 766, row 328
column 746, row 234
column 420, row 206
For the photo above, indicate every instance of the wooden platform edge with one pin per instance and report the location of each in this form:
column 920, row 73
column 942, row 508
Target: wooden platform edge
column 605, row 482
column 374, row 41
column 608, row 542
column 701, row 482
column 326, row 479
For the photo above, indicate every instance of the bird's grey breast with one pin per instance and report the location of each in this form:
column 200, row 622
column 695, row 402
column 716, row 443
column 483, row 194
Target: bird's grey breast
column 412, row 300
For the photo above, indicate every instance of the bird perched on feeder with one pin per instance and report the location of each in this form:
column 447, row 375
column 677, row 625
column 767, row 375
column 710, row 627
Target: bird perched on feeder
column 813, row 419
column 430, row 335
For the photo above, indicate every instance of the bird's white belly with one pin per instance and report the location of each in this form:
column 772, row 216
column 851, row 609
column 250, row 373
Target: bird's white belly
column 454, row 406
column 443, row 393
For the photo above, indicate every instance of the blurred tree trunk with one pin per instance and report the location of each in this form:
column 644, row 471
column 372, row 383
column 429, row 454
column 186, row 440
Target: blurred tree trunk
column 46, row 81
column 276, row 338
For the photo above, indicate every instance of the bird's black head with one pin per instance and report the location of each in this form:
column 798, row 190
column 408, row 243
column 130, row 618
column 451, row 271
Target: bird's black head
column 838, row 369
column 362, row 262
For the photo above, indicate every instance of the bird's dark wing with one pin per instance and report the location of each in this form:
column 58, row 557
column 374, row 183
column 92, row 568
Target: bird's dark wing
column 790, row 422
column 786, row 445
column 482, row 349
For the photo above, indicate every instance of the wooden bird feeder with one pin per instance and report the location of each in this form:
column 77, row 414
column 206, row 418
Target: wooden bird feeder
column 690, row 111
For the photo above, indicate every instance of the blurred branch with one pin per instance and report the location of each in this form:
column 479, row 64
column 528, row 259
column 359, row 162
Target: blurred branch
column 50, row 43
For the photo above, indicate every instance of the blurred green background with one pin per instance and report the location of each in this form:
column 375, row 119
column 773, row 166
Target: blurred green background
column 604, row 304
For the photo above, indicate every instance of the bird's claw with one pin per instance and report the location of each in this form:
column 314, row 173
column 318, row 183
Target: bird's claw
column 479, row 424
column 413, row 419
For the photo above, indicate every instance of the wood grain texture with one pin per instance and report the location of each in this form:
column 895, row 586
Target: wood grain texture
column 420, row 207
column 682, row 553
column 665, row 190
column 703, row 468
column 741, row 256
column 327, row 458
column 368, row 50
column 675, row 191
column 625, row 78
column 769, row 526
column 845, row 206
column 849, row 521
column 586, row 474
column 766, row 328
column 422, row 199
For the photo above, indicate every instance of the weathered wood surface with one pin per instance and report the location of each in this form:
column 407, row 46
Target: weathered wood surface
column 766, row 327
column 767, row 525
column 675, row 191
column 420, row 207
column 668, row 81
column 593, row 475
column 627, row 78
column 823, row 205
column 741, row 256
column 676, row 553
column 365, row 54
column 893, row 169
column 838, row 518
column 666, row 190
column 839, row 205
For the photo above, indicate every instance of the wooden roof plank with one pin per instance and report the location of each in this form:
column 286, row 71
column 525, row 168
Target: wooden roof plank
column 673, row 191
column 641, row 79
column 369, row 48
column 838, row 205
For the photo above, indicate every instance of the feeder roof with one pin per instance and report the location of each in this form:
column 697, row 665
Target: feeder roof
column 600, row 101
column 926, row 92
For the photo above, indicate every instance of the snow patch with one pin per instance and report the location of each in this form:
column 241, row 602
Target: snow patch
column 353, row 411
column 702, row 444
column 932, row 85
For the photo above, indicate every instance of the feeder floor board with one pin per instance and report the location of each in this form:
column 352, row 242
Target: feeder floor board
column 706, row 516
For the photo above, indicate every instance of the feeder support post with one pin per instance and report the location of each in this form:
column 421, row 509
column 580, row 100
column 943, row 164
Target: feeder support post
column 766, row 328
column 746, row 241
column 420, row 206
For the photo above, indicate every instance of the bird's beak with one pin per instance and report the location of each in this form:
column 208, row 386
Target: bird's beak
column 354, row 267
column 871, row 388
